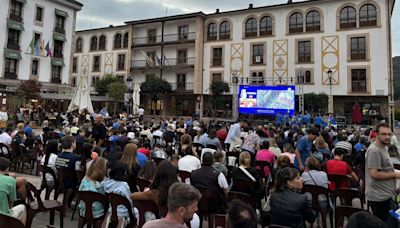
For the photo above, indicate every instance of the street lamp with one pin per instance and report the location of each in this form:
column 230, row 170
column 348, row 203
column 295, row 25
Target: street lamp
column 235, row 100
column 129, row 94
column 300, row 79
column 330, row 105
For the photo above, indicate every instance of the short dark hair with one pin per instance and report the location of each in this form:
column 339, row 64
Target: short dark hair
column 339, row 151
column 181, row 195
column 313, row 131
column 208, row 159
column 284, row 175
column 265, row 145
column 241, row 215
column 4, row 164
column 67, row 142
column 381, row 125
column 364, row 219
column 119, row 171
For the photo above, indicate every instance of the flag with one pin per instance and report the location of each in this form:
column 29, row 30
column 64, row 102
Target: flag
column 48, row 50
column 42, row 48
column 149, row 61
column 37, row 47
column 32, row 46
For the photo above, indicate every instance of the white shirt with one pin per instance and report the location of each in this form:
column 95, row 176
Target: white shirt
column 222, row 181
column 5, row 138
column 189, row 163
column 3, row 116
column 158, row 133
column 233, row 133
column 141, row 111
column 51, row 164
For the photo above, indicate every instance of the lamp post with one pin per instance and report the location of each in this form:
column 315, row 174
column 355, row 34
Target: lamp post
column 300, row 79
column 130, row 91
column 235, row 99
column 330, row 105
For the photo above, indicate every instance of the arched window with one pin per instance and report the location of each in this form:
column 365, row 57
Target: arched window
column 102, row 42
column 313, row 21
column 348, row 17
column 266, row 26
column 251, row 27
column 296, row 23
column 212, row 32
column 79, row 45
column 93, row 43
column 260, row 78
column 367, row 15
column 125, row 43
column 117, row 40
column 225, row 30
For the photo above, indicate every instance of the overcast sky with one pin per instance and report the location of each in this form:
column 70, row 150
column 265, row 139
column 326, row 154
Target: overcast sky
column 101, row 13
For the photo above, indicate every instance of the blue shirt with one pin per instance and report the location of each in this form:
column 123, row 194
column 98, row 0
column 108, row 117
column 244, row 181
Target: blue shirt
column 318, row 120
column 304, row 146
column 278, row 119
column 359, row 147
column 141, row 158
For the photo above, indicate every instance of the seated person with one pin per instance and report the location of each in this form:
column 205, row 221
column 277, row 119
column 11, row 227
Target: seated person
column 67, row 159
column 339, row 167
column 314, row 176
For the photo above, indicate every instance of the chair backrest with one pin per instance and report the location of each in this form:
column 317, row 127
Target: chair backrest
column 142, row 184
column 315, row 191
column 8, row 221
column 64, row 176
column 198, row 147
column 184, row 175
column 212, row 146
column 347, row 195
column 338, row 179
column 115, row 200
column 16, row 150
column 208, row 196
column 260, row 167
column 4, row 151
column 219, row 220
column 246, row 198
column 245, row 186
column 232, row 154
column 89, row 197
column 30, row 188
column 144, row 206
column 56, row 184
column 344, row 211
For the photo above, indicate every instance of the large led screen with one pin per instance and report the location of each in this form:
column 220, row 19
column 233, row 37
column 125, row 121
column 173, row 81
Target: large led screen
column 266, row 100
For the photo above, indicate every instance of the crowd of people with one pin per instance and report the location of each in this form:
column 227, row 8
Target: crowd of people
column 113, row 151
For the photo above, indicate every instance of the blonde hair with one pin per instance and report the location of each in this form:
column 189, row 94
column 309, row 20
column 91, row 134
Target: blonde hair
column 272, row 142
column 320, row 143
column 244, row 159
column 20, row 126
column 129, row 156
column 288, row 148
column 97, row 170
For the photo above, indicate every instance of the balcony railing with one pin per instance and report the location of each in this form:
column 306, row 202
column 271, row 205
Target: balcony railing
column 170, row 38
column 13, row 46
column 59, row 30
column 58, row 55
column 176, row 63
column 15, row 17
column 56, row 80
column 182, row 87
column 10, row 75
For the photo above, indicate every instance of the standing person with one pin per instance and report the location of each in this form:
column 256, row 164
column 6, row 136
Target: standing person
column 141, row 113
column 278, row 119
column 99, row 131
column 234, row 132
column 380, row 177
column 303, row 148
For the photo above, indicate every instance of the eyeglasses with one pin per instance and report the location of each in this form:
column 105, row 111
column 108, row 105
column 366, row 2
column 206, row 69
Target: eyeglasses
column 386, row 134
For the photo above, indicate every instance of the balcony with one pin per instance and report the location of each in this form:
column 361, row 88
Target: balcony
column 10, row 75
column 12, row 45
column 177, row 63
column 168, row 39
column 182, row 87
column 15, row 17
column 59, row 30
column 58, row 55
column 56, row 80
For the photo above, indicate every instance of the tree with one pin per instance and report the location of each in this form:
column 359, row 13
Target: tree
column 396, row 77
column 28, row 89
column 315, row 102
column 116, row 90
column 155, row 88
column 218, row 88
column 101, row 86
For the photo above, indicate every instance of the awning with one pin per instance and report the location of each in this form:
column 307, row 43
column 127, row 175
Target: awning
column 59, row 36
column 15, row 25
column 57, row 62
column 21, row 1
column 57, row 96
column 61, row 13
column 12, row 54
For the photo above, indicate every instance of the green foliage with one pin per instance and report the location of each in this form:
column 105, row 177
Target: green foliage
column 396, row 77
column 29, row 89
column 155, row 85
column 101, row 86
column 397, row 115
column 116, row 90
column 315, row 102
column 218, row 88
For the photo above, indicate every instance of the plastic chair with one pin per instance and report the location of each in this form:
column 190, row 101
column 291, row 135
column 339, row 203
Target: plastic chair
column 89, row 198
column 8, row 221
column 115, row 200
column 344, row 211
column 338, row 179
column 64, row 176
column 219, row 220
column 243, row 186
column 4, row 151
column 212, row 146
column 315, row 191
column 49, row 188
column 144, row 206
column 184, row 175
column 141, row 184
column 204, row 206
column 80, row 175
column 246, row 198
column 36, row 205
column 347, row 195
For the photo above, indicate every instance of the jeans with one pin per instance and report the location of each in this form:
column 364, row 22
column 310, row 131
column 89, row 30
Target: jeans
column 381, row 210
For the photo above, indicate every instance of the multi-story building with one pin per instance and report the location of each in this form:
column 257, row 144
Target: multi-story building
column 37, row 42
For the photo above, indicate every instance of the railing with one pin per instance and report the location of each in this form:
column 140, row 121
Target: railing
column 58, row 55
column 59, row 30
column 56, row 80
column 15, row 17
column 188, row 86
column 10, row 75
column 176, row 62
column 183, row 37
column 12, row 45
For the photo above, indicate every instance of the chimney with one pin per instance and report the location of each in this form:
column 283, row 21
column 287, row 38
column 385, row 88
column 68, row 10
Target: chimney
column 217, row 11
column 250, row 6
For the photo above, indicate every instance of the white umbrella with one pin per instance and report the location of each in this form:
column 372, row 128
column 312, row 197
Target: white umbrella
column 81, row 100
column 136, row 98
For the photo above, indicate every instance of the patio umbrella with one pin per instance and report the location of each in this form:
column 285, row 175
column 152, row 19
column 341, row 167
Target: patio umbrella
column 81, row 100
column 136, row 98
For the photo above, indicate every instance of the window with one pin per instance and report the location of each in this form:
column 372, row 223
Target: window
column 35, row 67
column 367, row 15
column 251, row 28
column 216, row 77
column 79, row 45
column 225, row 31
column 121, row 62
column 39, row 14
column 93, row 43
column 56, row 74
column 296, row 23
column 16, row 11
column 117, row 40
column 258, row 54
column 307, row 76
column 359, row 80
column 60, row 20
column 217, row 57
column 96, row 63
column 182, row 57
column 257, row 78
column 266, row 26
column 58, row 49
column 181, row 82
column 102, row 42
column 75, row 65
column 13, row 39
column 260, row 78
column 358, row 48
column 183, row 32
column 348, row 17
column 37, row 38
column 125, row 42
column 11, row 67
column 304, row 52
column 212, row 32
column 313, row 21
column 73, row 81
column 152, row 36
column 95, row 79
